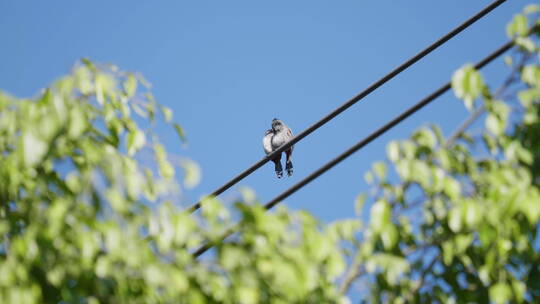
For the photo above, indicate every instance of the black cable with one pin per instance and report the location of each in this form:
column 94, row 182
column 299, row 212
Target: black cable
column 353, row 100
column 363, row 142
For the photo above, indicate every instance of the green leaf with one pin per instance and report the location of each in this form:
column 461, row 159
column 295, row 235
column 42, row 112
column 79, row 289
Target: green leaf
column 389, row 236
column 150, row 108
column 530, row 207
column 212, row 208
column 180, row 132
column 167, row 113
column 519, row 290
column 526, row 43
column 438, row 133
column 490, row 143
column 425, row 137
column 392, row 151
column 452, row 188
column 462, row 242
column 249, row 295
column 380, row 170
column 467, row 84
column 508, row 60
column 100, row 89
column 531, row 75
column 517, row 27
column 117, row 200
column 494, row 124
column 34, row 148
column 77, row 122
column 499, row 108
column 455, row 219
column 192, row 173
column 88, row 62
column 392, row 266
column 368, row 177
column 500, row 293
column 381, row 215
column 248, row 195
column 83, row 80
column 231, row 257
column 165, row 168
column 130, row 85
column 472, row 214
column 531, row 9
column 139, row 110
column 135, row 141
column 421, row 173
column 527, row 97
column 143, row 81
column 359, row 203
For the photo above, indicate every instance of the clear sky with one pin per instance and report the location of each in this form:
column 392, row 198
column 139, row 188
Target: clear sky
column 227, row 68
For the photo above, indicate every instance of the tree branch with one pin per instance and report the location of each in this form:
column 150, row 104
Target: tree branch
column 355, row 271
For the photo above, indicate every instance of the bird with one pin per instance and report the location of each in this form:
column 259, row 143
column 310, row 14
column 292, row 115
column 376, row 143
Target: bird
column 274, row 138
column 267, row 146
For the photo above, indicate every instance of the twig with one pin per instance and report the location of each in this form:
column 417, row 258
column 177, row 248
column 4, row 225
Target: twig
column 355, row 271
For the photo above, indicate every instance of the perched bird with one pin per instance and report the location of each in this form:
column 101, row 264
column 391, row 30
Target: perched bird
column 275, row 138
column 267, row 145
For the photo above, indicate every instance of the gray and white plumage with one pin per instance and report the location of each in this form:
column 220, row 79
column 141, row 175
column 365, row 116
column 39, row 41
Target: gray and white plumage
column 275, row 138
column 267, row 141
column 282, row 134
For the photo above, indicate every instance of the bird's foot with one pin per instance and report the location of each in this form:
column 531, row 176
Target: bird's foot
column 289, row 168
column 279, row 174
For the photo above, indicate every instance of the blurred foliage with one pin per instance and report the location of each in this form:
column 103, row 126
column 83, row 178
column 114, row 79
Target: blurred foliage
column 87, row 212
column 457, row 221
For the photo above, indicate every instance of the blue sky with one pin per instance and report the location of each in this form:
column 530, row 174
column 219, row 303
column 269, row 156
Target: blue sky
column 227, row 68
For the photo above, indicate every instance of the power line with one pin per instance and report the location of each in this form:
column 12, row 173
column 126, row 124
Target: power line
column 363, row 142
column 353, row 100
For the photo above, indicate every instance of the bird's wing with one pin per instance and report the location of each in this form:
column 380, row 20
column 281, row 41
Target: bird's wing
column 282, row 137
column 267, row 143
column 289, row 133
column 289, row 136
